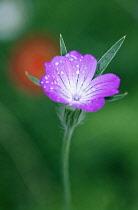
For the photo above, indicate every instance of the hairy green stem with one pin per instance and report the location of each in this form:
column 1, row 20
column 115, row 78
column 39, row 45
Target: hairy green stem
column 65, row 165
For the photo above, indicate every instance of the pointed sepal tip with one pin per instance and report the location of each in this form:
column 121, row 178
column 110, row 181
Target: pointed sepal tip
column 36, row 81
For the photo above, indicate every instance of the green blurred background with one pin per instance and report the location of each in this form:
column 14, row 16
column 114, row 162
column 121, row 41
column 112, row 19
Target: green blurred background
column 104, row 150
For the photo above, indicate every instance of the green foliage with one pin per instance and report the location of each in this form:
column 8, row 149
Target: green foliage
column 33, row 79
column 63, row 49
column 116, row 97
column 108, row 56
column 69, row 116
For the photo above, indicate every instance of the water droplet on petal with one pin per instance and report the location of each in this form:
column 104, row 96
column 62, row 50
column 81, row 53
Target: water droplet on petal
column 56, row 63
column 74, row 56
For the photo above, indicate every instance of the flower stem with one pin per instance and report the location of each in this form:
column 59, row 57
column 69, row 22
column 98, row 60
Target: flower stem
column 65, row 166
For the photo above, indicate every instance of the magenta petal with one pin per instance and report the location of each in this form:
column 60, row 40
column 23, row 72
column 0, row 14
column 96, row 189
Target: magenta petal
column 91, row 106
column 83, row 68
column 104, row 93
column 87, row 71
column 58, row 69
column 74, row 56
column 103, row 86
column 106, row 78
column 55, row 96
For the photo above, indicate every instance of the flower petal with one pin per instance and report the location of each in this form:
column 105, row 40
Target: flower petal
column 75, row 60
column 83, row 68
column 52, row 90
column 91, row 106
column 88, row 66
column 102, row 86
column 104, row 93
column 57, row 69
column 106, row 78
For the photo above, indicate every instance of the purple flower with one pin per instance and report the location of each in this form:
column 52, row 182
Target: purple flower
column 69, row 80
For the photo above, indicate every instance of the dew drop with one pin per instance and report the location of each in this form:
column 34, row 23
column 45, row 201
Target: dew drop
column 56, row 63
column 74, row 57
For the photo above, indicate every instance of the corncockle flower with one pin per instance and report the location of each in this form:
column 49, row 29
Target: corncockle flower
column 69, row 80
column 76, row 81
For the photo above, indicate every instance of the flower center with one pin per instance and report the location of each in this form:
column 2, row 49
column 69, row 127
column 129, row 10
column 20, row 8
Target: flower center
column 76, row 97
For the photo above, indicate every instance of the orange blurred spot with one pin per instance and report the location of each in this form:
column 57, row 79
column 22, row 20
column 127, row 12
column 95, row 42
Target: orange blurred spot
column 30, row 55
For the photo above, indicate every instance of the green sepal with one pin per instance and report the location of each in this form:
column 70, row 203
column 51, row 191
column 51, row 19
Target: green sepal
column 108, row 56
column 70, row 117
column 33, row 79
column 63, row 49
column 115, row 97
